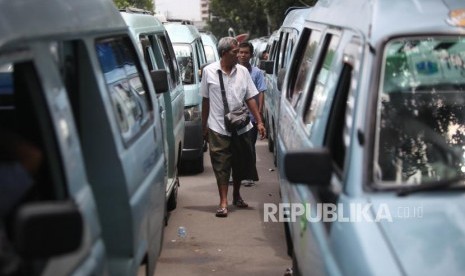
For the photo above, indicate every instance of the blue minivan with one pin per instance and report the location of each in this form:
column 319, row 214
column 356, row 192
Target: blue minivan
column 74, row 88
column 282, row 44
column 156, row 47
column 190, row 54
column 371, row 142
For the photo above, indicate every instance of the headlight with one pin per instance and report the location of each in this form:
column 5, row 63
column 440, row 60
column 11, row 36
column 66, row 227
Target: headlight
column 192, row 113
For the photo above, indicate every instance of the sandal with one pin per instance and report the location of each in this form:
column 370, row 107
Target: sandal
column 222, row 212
column 240, row 203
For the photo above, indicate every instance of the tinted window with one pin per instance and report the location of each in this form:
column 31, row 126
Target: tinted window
column 126, row 85
column 169, row 57
column 301, row 79
column 318, row 95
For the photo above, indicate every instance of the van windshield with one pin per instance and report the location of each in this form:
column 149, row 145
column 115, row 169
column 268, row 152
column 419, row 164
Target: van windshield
column 184, row 56
column 420, row 133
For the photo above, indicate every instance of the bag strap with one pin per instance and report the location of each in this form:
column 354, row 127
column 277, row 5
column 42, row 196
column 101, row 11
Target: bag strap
column 223, row 93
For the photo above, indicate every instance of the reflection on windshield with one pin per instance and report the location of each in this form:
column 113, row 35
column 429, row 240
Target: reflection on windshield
column 184, row 57
column 421, row 111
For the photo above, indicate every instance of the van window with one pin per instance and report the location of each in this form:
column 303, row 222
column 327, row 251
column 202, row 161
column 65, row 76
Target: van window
column 420, row 132
column 317, row 94
column 28, row 143
column 126, row 85
column 185, row 55
column 152, row 54
column 210, row 53
column 301, row 80
column 169, row 57
column 282, row 51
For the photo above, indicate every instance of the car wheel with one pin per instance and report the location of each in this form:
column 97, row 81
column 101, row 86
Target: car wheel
column 173, row 199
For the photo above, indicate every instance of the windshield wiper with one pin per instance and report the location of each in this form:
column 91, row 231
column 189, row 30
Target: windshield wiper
column 430, row 186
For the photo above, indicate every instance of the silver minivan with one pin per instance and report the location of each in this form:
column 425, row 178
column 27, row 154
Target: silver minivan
column 371, row 140
column 283, row 43
column 190, row 54
column 156, row 47
column 73, row 85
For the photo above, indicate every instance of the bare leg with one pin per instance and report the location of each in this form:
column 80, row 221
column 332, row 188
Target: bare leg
column 237, row 199
column 223, row 191
column 236, row 189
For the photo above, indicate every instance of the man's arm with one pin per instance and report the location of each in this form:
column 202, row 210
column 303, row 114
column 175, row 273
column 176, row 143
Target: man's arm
column 261, row 100
column 205, row 113
column 252, row 105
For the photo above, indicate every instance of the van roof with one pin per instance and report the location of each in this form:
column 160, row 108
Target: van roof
column 180, row 33
column 209, row 38
column 378, row 19
column 56, row 17
column 142, row 21
column 295, row 18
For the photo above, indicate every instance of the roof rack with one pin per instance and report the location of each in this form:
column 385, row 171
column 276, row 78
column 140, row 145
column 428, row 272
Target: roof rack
column 136, row 10
column 181, row 21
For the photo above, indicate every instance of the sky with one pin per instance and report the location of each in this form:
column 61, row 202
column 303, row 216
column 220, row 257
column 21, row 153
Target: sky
column 179, row 9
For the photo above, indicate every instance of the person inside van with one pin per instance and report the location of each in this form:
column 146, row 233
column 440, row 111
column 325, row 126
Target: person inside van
column 244, row 56
column 20, row 161
column 229, row 150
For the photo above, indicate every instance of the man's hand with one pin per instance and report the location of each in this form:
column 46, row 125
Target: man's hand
column 205, row 133
column 261, row 130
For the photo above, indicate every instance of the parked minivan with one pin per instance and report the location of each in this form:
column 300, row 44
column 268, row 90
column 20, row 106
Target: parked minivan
column 372, row 133
column 190, row 54
column 156, row 47
column 210, row 45
column 286, row 38
column 74, row 87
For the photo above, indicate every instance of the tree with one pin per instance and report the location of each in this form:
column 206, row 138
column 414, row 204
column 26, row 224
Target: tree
column 140, row 4
column 256, row 17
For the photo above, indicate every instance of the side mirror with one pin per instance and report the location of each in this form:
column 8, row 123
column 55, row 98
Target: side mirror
column 43, row 230
column 267, row 65
column 312, row 167
column 281, row 76
column 160, row 80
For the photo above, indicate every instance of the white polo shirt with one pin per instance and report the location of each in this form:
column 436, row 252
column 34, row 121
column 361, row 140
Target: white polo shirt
column 238, row 86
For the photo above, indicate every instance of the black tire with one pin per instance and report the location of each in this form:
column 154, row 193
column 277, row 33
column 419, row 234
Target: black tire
column 270, row 144
column 295, row 266
column 275, row 150
column 172, row 202
column 197, row 165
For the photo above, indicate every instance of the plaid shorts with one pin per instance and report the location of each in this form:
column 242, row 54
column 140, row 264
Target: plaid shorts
column 232, row 152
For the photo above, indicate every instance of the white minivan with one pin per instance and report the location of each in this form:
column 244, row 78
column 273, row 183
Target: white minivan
column 73, row 85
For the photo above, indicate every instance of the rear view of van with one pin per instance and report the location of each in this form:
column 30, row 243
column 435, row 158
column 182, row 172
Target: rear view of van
column 77, row 101
column 156, row 47
column 190, row 54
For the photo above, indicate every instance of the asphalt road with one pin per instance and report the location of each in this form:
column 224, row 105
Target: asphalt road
column 241, row 244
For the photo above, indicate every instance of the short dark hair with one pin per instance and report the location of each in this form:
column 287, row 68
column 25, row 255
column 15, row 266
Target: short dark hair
column 247, row 45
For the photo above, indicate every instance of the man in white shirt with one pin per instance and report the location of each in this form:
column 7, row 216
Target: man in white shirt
column 229, row 150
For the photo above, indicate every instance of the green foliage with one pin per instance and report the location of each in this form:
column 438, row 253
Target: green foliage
column 256, row 17
column 141, row 4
